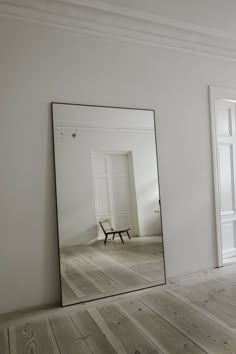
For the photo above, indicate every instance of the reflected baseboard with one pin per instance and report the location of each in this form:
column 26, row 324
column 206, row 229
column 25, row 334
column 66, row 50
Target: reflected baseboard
column 158, row 238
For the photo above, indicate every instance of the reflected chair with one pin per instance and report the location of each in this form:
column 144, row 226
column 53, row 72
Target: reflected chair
column 108, row 230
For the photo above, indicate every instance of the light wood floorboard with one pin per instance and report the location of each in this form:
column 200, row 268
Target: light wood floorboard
column 98, row 269
column 69, row 338
column 201, row 330
column 33, row 338
column 123, row 334
column 159, row 331
column 97, row 341
column 215, row 297
column 192, row 314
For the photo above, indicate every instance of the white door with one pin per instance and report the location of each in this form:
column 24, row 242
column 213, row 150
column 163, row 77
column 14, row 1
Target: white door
column 112, row 189
column 226, row 148
column 121, row 191
column 102, row 184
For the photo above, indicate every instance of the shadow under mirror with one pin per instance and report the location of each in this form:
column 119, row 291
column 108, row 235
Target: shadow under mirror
column 109, row 218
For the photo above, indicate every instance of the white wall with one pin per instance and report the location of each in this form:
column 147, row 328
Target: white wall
column 75, row 180
column 39, row 64
column 214, row 14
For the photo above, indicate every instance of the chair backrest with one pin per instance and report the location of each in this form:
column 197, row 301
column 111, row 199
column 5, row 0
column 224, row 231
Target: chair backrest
column 105, row 225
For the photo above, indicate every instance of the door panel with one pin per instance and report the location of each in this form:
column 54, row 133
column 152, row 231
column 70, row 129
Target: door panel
column 226, row 177
column 226, row 147
column 103, row 206
column 228, row 232
column 119, row 164
column 224, row 119
column 100, row 165
column 101, row 184
column 122, row 192
column 122, row 201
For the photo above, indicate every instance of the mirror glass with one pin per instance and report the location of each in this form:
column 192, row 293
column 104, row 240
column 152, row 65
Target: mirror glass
column 108, row 203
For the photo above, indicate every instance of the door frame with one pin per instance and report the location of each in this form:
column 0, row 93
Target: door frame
column 229, row 94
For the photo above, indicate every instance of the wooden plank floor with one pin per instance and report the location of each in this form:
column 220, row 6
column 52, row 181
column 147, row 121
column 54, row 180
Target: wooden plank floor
column 98, row 269
column 192, row 314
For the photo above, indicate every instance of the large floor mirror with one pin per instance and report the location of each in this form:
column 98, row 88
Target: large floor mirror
column 108, row 201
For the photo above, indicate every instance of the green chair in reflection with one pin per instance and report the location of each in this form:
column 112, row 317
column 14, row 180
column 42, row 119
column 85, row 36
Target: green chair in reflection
column 108, row 230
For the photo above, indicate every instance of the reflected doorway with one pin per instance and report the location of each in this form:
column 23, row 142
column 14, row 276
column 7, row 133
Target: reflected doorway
column 115, row 194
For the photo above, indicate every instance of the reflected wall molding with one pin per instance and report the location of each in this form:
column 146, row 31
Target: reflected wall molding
column 103, row 19
column 104, row 125
column 64, row 130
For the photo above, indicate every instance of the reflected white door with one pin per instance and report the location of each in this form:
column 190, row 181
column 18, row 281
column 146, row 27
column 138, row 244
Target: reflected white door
column 102, row 187
column 112, row 189
column 226, row 146
column 121, row 191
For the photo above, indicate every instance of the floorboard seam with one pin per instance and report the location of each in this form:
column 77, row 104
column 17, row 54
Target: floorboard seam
column 135, row 323
column 54, row 335
column 196, row 307
column 84, row 275
column 8, row 338
column 172, row 325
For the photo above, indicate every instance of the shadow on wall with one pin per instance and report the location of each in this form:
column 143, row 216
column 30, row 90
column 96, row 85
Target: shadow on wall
column 149, row 209
column 83, row 238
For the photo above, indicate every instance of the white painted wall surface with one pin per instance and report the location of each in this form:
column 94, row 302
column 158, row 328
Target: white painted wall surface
column 39, row 64
column 75, row 183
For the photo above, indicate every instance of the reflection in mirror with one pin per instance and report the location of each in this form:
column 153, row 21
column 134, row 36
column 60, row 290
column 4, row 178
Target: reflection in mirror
column 109, row 221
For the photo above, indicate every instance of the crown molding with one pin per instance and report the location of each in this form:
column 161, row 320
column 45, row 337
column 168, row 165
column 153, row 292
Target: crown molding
column 103, row 19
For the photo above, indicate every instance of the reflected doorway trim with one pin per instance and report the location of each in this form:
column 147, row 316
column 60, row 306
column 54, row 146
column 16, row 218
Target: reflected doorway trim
column 56, row 202
column 221, row 93
column 133, row 194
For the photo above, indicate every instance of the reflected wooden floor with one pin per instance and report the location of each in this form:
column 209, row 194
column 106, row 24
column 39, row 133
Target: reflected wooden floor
column 102, row 270
column 191, row 314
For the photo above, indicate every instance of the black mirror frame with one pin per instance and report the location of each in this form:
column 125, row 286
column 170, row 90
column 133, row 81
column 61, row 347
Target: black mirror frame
column 56, row 200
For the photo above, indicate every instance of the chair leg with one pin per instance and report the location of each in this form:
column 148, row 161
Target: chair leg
column 105, row 241
column 113, row 236
column 121, row 238
column 128, row 235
